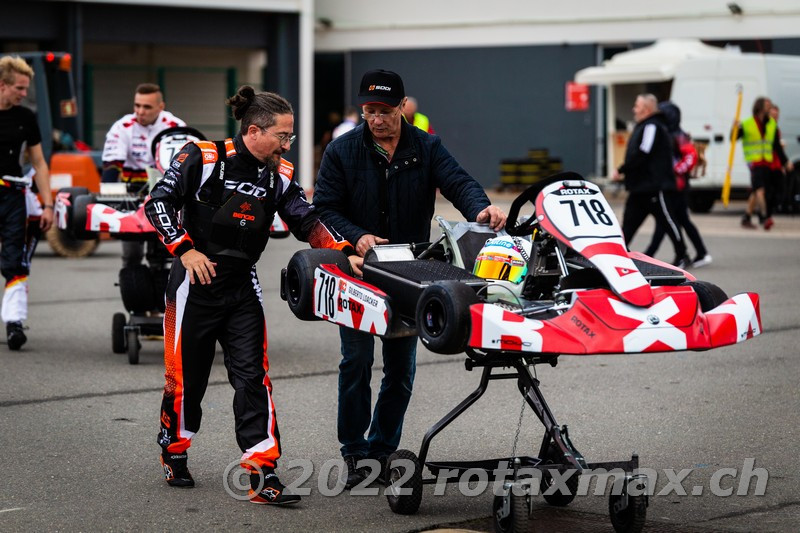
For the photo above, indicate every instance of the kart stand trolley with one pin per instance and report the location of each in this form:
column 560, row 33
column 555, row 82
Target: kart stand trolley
column 511, row 509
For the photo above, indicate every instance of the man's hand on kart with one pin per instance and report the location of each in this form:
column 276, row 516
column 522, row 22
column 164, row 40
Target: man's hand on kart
column 367, row 241
column 493, row 216
column 46, row 220
column 356, row 263
column 197, row 264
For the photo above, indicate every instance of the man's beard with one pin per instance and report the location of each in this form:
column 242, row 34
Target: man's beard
column 271, row 165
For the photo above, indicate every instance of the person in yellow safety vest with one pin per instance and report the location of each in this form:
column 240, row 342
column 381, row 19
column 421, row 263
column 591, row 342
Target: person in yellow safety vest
column 760, row 138
column 417, row 119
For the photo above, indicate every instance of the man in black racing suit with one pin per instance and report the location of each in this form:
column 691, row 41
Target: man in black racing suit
column 228, row 191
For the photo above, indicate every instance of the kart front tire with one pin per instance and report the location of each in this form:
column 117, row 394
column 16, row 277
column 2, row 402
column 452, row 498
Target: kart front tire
column 708, row 294
column 300, row 278
column 443, row 317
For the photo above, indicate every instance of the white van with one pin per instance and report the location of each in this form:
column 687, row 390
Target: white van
column 702, row 81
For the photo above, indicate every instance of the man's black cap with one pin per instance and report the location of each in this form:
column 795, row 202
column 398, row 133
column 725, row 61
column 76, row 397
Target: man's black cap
column 381, row 87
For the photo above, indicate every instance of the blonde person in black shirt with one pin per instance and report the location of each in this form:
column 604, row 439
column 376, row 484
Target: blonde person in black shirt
column 19, row 136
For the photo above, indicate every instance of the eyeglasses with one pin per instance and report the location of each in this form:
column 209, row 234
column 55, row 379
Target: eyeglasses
column 283, row 137
column 382, row 116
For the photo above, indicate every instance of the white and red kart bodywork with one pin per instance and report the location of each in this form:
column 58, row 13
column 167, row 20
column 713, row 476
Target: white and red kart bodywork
column 115, row 218
column 627, row 316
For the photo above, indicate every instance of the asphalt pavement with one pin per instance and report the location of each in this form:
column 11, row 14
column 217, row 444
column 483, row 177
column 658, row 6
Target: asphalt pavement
column 78, row 423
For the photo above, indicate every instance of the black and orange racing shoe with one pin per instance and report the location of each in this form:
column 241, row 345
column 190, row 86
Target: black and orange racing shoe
column 272, row 491
column 175, row 470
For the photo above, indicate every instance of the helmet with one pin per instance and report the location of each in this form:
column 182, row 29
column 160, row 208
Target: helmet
column 503, row 258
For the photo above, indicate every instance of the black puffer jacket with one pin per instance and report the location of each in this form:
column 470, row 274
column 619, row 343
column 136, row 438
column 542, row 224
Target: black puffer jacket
column 359, row 192
column 648, row 157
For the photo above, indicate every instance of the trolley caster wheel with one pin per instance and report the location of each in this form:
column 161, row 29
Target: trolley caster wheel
column 511, row 512
column 118, row 333
column 557, row 498
column 627, row 513
column 404, row 490
column 133, row 347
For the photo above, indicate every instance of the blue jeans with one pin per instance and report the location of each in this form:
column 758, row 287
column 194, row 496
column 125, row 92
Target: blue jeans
column 355, row 395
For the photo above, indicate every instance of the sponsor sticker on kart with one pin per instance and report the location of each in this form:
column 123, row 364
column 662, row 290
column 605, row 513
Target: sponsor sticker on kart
column 341, row 301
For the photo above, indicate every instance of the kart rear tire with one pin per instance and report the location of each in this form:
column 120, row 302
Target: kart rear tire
column 300, row 278
column 443, row 317
column 136, row 288
column 518, row 520
column 409, row 500
column 66, row 245
column 708, row 294
column 80, row 216
column 118, row 342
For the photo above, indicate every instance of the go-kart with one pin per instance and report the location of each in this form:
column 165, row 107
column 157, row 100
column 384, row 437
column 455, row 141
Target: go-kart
column 566, row 286
column 118, row 211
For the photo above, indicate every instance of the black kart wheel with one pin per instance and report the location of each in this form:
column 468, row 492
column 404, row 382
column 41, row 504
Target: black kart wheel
column 630, row 518
column 136, row 288
column 404, row 491
column 300, row 278
column 558, row 498
column 118, row 341
column 133, row 347
column 708, row 294
column 516, row 519
column 443, row 317
column 80, row 216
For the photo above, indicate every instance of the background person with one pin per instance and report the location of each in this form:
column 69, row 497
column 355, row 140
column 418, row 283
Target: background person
column 127, row 154
column 776, row 187
column 416, row 118
column 684, row 160
column 761, row 142
column 351, row 118
column 377, row 184
column 19, row 136
column 648, row 173
column 228, row 192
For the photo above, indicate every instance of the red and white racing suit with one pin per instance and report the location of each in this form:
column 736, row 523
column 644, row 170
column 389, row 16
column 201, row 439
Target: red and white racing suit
column 128, row 146
column 227, row 206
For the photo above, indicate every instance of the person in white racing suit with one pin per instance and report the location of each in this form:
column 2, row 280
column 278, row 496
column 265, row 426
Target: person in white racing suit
column 127, row 153
column 227, row 193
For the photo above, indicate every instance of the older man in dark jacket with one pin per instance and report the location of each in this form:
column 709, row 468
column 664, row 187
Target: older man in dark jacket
column 648, row 173
column 377, row 184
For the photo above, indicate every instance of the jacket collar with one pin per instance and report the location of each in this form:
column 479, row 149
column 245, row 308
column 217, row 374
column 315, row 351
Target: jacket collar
column 403, row 145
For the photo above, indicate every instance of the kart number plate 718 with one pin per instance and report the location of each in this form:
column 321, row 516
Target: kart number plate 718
column 342, row 301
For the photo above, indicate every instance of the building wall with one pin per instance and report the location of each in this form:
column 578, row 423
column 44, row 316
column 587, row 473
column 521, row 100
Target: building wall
column 495, row 103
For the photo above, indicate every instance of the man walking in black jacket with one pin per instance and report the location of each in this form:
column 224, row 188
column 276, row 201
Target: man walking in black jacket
column 377, row 184
column 647, row 174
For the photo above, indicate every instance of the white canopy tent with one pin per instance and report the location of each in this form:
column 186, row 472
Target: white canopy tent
column 655, row 63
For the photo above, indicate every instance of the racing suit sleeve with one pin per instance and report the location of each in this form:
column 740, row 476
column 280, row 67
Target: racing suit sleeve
column 169, row 195
column 461, row 189
column 304, row 221
column 330, row 196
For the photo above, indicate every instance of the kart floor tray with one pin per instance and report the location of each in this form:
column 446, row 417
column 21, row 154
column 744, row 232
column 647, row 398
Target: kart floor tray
column 404, row 281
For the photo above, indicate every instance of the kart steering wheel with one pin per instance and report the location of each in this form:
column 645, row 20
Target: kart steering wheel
column 529, row 195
